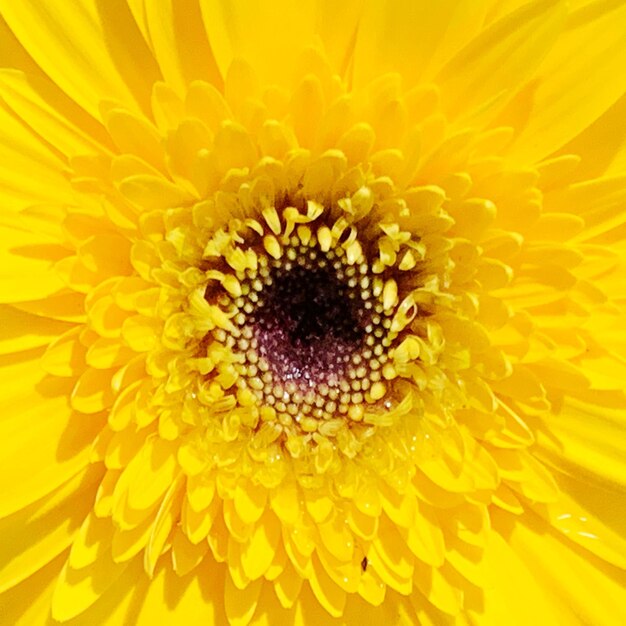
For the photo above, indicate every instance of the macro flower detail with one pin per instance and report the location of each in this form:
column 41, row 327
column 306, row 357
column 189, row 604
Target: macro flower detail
column 312, row 315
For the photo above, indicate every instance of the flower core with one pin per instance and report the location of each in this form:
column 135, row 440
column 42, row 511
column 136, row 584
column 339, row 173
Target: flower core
column 312, row 326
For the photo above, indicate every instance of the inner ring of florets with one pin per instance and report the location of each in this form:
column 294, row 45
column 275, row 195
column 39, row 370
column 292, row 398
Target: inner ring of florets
column 312, row 333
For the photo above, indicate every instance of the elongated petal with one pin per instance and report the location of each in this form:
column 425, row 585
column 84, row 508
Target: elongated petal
column 22, row 331
column 45, row 443
column 239, row 30
column 552, row 562
column 587, row 438
column 69, row 43
column 563, row 104
column 414, row 39
column 52, row 521
column 180, row 43
column 502, row 56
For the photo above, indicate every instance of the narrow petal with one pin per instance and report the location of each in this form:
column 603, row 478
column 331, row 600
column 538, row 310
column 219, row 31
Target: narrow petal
column 57, row 119
column 191, row 598
column 602, row 145
column 502, row 601
column 584, row 589
column 28, row 604
column 592, row 517
column 84, row 48
column 337, row 25
column 500, row 58
column 27, row 266
column 180, row 43
column 427, row 33
column 586, row 438
column 46, row 443
column 23, row 331
column 580, row 79
column 78, row 588
column 240, row 30
column 35, row 535
column 24, row 158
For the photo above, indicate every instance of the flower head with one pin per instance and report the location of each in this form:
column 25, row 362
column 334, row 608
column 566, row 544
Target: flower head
column 313, row 314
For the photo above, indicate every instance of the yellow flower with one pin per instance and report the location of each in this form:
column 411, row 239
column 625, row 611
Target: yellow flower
column 312, row 313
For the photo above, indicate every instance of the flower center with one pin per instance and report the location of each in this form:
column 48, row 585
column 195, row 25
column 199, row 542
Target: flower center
column 311, row 334
column 307, row 324
column 308, row 316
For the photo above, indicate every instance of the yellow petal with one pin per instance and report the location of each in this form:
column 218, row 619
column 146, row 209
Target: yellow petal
column 387, row 574
column 240, row 604
column 80, row 48
column 22, row 331
column 152, row 192
column 124, row 446
column 329, row 594
column 563, row 105
column 502, row 602
column 425, row 33
column 51, row 113
column 437, row 585
column 23, row 156
column 28, row 604
column 105, row 353
column 165, row 520
column 250, row 501
column 260, row 550
column 36, row 461
column 285, row 502
column 600, row 144
column 92, row 540
column 597, row 201
column 77, row 589
column 35, row 535
column 336, row 25
column 566, row 574
column 590, row 516
column 337, row 538
column 133, row 134
column 119, row 601
column 188, row 600
column 501, row 57
column 141, row 333
column 66, row 307
column 65, row 356
column 105, row 317
column 27, row 266
column 178, row 40
column 425, row 538
column 196, row 523
column 287, row 586
column 363, row 526
column 153, row 472
column 92, row 392
column 186, row 556
column 239, row 30
column 391, row 548
column 585, row 438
